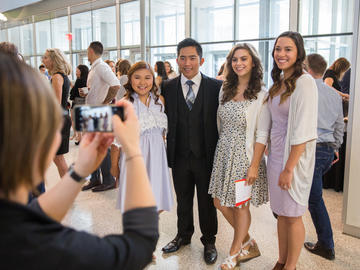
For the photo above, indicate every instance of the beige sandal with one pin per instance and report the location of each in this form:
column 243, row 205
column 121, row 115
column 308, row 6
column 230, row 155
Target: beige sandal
column 246, row 255
column 229, row 262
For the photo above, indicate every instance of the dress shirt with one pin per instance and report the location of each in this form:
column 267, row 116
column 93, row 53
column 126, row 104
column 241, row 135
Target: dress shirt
column 100, row 78
column 195, row 87
column 29, row 239
column 330, row 115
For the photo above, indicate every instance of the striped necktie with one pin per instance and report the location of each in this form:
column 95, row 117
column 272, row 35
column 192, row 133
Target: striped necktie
column 190, row 96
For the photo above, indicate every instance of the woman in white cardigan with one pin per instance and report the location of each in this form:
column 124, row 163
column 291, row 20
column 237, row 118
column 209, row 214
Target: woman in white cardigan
column 241, row 99
column 289, row 122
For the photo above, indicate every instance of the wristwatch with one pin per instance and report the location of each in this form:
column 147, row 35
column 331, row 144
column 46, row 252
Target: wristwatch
column 74, row 175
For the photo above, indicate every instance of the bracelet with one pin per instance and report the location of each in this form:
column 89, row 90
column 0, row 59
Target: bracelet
column 132, row 157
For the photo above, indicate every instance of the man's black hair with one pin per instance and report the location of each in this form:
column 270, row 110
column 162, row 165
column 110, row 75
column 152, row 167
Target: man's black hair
column 189, row 42
column 97, row 47
column 41, row 66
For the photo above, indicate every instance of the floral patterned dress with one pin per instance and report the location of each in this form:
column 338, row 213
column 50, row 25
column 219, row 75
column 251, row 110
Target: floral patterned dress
column 231, row 161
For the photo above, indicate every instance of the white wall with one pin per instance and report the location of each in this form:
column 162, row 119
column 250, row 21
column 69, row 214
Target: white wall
column 351, row 211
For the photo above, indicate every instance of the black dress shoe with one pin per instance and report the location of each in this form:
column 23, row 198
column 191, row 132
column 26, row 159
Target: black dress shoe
column 210, row 253
column 91, row 184
column 318, row 249
column 175, row 244
column 104, row 187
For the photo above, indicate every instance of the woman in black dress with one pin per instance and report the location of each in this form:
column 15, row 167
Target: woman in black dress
column 334, row 74
column 59, row 69
column 82, row 72
column 334, row 178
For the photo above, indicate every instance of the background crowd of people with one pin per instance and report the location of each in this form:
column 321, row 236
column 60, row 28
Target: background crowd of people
column 213, row 134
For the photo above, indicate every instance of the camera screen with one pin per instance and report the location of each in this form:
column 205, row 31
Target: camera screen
column 96, row 118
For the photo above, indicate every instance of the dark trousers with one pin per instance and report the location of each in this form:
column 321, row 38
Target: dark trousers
column 189, row 173
column 317, row 208
column 105, row 171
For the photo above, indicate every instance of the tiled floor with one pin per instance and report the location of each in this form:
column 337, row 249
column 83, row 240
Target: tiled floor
column 96, row 213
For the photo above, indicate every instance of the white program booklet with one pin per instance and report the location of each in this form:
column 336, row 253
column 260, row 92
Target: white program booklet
column 242, row 192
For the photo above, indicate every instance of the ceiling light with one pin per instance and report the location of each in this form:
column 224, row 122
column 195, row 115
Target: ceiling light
column 3, row 17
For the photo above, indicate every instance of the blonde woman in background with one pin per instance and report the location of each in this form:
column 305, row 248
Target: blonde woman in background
column 59, row 69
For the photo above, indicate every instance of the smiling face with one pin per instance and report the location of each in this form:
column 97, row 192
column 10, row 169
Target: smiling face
column 242, row 63
column 189, row 62
column 78, row 73
column 285, row 54
column 167, row 67
column 142, row 81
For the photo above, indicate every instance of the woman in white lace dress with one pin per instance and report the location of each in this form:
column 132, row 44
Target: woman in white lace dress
column 141, row 90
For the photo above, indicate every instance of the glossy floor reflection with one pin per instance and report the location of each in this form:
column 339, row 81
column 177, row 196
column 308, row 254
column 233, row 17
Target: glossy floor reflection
column 96, row 213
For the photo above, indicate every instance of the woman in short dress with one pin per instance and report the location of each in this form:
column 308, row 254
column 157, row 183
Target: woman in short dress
column 290, row 119
column 141, row 90
column 59, row 69
column 241, row 100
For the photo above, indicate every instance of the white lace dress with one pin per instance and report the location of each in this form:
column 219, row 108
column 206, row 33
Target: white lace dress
column 153, row 125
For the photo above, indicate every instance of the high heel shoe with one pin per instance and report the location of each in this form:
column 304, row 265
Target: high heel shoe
column 229, row 262
column 246, row 255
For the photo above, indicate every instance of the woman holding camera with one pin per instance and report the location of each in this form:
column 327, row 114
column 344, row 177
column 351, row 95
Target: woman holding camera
column 31, row 236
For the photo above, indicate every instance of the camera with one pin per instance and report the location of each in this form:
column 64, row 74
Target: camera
column 96, row 118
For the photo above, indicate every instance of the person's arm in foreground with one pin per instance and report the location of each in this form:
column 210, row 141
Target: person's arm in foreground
column 57, row 201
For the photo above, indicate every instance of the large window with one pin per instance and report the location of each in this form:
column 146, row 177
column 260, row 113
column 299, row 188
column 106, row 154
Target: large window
column 3, row 35
column 262, row 19
column 104, row 26
column 215, row 56
column 81, row 30
column 212, row 20
column 59, row 29
column 130, row 23
column 14, row 36
column 325, row 16
column 217, row 24
column 26, row 39
column 43, row 37
column 330, row 48
column 167, row 22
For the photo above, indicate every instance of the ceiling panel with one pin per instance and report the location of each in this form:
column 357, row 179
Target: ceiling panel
column 7, row 5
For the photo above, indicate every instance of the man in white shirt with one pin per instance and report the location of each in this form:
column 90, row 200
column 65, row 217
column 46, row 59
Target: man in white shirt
column 103, row 87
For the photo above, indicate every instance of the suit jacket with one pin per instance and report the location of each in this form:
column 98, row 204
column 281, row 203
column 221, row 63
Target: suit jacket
column 211, row 89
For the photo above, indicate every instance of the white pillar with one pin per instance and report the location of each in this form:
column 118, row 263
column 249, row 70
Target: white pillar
column 143, row 29
column 294, row 14
column 351, row 210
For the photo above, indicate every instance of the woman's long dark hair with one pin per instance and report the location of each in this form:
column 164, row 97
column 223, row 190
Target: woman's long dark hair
column 129, row 90
column 339, row 66
column 84, row 72
column 290, row 83
column 232, row 80
column 161, row 71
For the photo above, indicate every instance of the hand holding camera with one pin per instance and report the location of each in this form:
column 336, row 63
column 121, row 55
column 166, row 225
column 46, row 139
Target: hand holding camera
column 127, row 131
column 96, row 141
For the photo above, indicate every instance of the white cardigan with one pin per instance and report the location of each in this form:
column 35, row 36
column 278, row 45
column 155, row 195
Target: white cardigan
column 252, row 121
column 302, row 128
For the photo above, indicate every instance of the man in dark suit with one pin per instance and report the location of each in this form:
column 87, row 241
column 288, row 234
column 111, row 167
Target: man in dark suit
column 191, row 102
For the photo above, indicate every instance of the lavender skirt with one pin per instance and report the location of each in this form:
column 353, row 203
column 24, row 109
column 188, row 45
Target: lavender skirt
column 154, row 153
